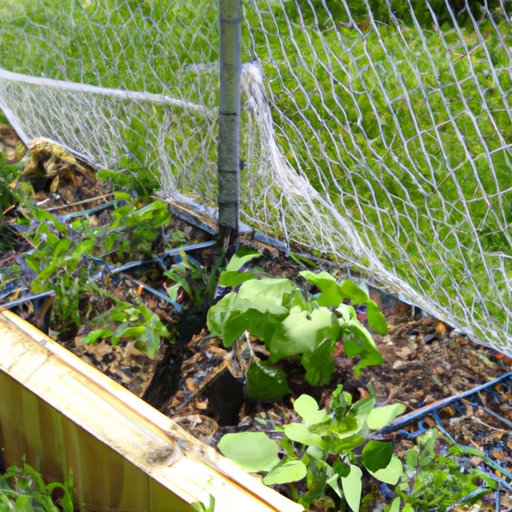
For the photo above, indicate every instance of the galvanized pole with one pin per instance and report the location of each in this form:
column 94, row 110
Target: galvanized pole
column 230, row 28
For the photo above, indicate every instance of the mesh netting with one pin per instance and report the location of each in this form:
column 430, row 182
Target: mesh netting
column 376, row 131
column 126, row 83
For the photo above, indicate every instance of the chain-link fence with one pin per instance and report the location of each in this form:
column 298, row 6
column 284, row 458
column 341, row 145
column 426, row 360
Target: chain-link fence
column 376, row 131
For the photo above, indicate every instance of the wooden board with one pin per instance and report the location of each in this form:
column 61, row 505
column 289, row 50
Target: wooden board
column 62, row 414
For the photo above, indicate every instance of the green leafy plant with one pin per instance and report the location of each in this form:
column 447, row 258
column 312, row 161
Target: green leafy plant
column 195, row 285
column 58, row 259
column 58, row 265
column 435, row 481
column 327, row 451
column 65, row 259
column 202, row 507
column 296, row 324
column 131, row 177
column 137, row 323
column 134, row 230
column 24, row 490
column 13, row 193
column 190, row 280
column 6, row 192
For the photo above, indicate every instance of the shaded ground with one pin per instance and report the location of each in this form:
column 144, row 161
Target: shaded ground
column 425, row 360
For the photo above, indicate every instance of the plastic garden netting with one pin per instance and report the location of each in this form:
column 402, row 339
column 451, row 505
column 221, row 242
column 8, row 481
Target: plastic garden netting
column 377, row 131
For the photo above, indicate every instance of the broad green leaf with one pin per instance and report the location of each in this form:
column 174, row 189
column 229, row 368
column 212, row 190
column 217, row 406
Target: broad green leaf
column 240, row 259
column 253, row 451
column 307, row 408
column 359, row 342
column 411, row 459
column 352, row 487
column 347, row 441
column 116, row 337
column 291, row 471
column 120, row 315
column 60, row 248
column 360, row 334
column 391, row 473
column 233, row 279
column 363, row 408
column 340, row 468
column 84, row 247
column 318, row 473
column 381, row 416
column 330, row 293
column 368, row 356
column 156, row 210
column 133, row 314
column 346, row 314
column 233, row 315
column 256, row 308
column 173, row 291
column 334, row 482
column 266, row 294
column 96, row 335
column 149, row 342
column 358, row 294
column 319, row 364
column 261, row 325
column 302, row 331
column 426, row 444
column 225, row 319
column 376, row 319
column 23, row 504
column 123, row 196
column 315, row 452
column 395, row 505
column 340, row 403
column 266, row 382
column 129, row 332
column 376, row 455
column 301, row 434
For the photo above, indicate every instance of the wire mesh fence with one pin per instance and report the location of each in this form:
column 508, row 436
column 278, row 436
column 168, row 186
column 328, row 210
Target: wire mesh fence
column 375, row 131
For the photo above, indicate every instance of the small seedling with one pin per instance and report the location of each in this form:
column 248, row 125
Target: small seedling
column 328, row 450
column 25, row 490
column 137, row 323
column 436, row 480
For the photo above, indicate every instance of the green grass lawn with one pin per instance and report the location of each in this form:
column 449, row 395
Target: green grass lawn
column 408, row 133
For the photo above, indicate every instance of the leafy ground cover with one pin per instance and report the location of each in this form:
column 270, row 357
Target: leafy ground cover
column 134, row 305
column 23, row 489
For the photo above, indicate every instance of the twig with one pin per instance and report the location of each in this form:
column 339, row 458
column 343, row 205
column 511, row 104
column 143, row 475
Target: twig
column 78, row 203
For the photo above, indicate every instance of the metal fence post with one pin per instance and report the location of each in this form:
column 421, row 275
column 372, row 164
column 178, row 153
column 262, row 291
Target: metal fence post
column 230, row 23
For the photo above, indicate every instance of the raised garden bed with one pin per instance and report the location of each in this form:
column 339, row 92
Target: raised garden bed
column 63, row 415
column 164, row 275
